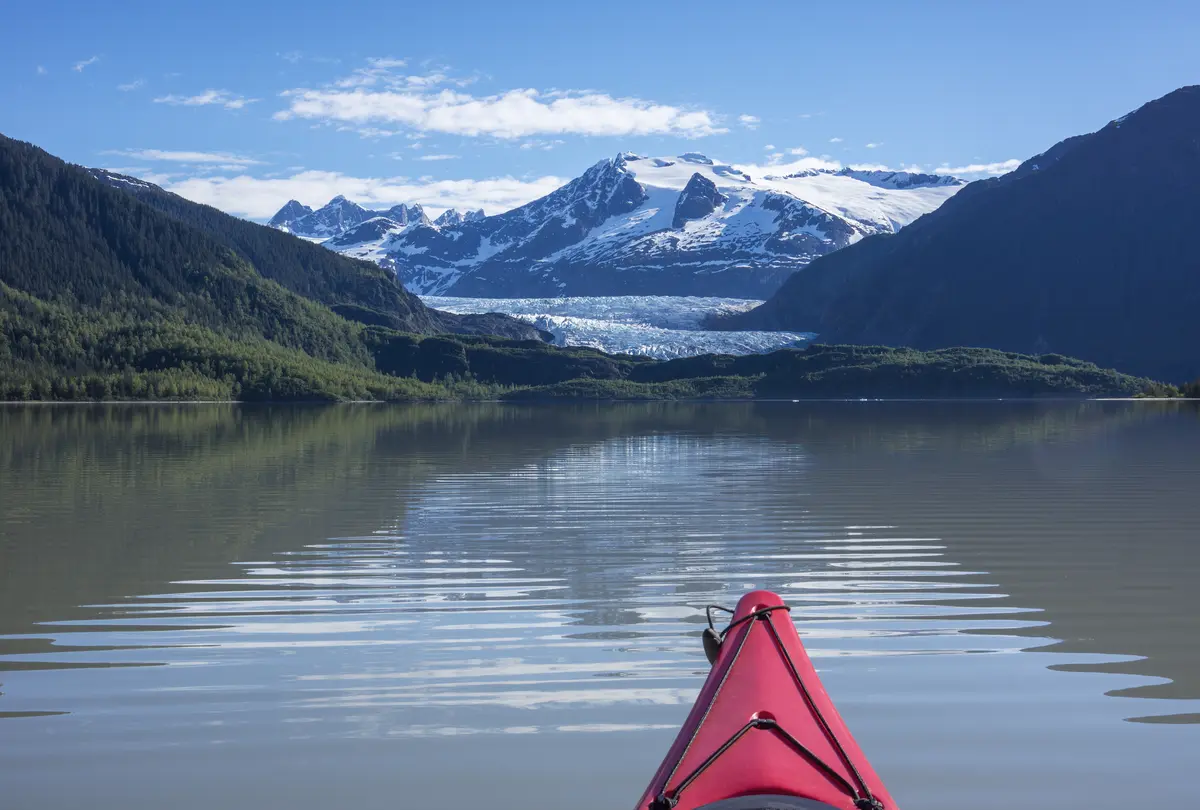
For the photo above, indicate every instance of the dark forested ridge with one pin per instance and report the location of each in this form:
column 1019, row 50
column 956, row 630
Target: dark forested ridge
column 103, row 294
column 358, row 290
column 1089, row 249
column 94, row 238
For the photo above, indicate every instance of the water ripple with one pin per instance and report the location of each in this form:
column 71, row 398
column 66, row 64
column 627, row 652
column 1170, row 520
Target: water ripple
column 572, row 587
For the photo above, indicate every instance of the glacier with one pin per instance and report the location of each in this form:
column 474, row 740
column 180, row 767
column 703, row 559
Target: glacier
column 659, row 326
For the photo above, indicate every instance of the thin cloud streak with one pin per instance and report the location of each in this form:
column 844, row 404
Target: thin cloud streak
column 992, row 169
column 222, row 158
column 260, row 198
column 224, row 98
column 79, row 66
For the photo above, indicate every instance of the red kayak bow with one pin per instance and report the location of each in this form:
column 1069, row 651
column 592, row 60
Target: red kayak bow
column 763, row 734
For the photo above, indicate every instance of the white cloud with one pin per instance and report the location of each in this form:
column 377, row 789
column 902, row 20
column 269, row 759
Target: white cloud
column 1000, row 167
column 370, row 132
column 221, row 158
column 228, row 100
column 296, row 57
column 749, row 121
column 260, row 198
column 380, row 71
column 41, row 71
column 835, row 140
column 133, row 85
column 79, row 66
column 798, row 150
column 545, row 146
column 874, row 145
column 515, row 114
column 375, row 94
column 438, row 157
column 769, row 147
column 386, row 62
column 775, row 166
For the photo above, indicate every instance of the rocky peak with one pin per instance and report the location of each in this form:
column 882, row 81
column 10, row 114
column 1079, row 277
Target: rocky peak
column 699, row 198
column 610, row 188
column 289, row 213
column 449, row 218
column 417, row 215
column 398, row 214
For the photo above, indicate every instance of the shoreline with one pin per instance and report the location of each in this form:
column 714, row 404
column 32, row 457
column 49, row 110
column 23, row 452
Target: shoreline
column 576, row 400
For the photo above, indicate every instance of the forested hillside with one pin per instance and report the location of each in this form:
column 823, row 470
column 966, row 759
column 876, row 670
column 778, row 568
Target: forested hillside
column 1088, row 249
column 358, row 290
column 103, row 294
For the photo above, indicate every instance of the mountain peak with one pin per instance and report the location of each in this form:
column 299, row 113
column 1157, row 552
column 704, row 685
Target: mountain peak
column 289, row 213
column 699, row 198
column 449, row 218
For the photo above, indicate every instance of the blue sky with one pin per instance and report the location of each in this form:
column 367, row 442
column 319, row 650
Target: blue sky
column 244, row 105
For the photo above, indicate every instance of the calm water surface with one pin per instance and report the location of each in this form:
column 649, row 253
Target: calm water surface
column 489, row 606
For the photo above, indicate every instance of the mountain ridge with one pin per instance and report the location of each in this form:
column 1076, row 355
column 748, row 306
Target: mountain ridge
column 355, row 289
column 686, row 225
column 1106, row 266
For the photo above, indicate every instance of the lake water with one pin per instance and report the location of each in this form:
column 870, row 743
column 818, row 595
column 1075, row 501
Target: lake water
column 499, row 607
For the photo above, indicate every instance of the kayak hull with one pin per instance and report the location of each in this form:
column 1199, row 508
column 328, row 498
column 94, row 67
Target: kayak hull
column 763, row 734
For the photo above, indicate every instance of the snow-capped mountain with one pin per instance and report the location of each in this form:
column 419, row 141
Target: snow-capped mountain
column 685, row 225
column 340, row 217
column 334, row 218
column 450, row 217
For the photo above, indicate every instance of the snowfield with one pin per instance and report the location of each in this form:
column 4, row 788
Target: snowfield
column 660, row 326
column 633, row 226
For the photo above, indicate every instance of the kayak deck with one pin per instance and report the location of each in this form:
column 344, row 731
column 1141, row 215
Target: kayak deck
column 763, row 734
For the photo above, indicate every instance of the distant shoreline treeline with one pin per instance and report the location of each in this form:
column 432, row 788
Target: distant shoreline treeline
column 52, row 355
